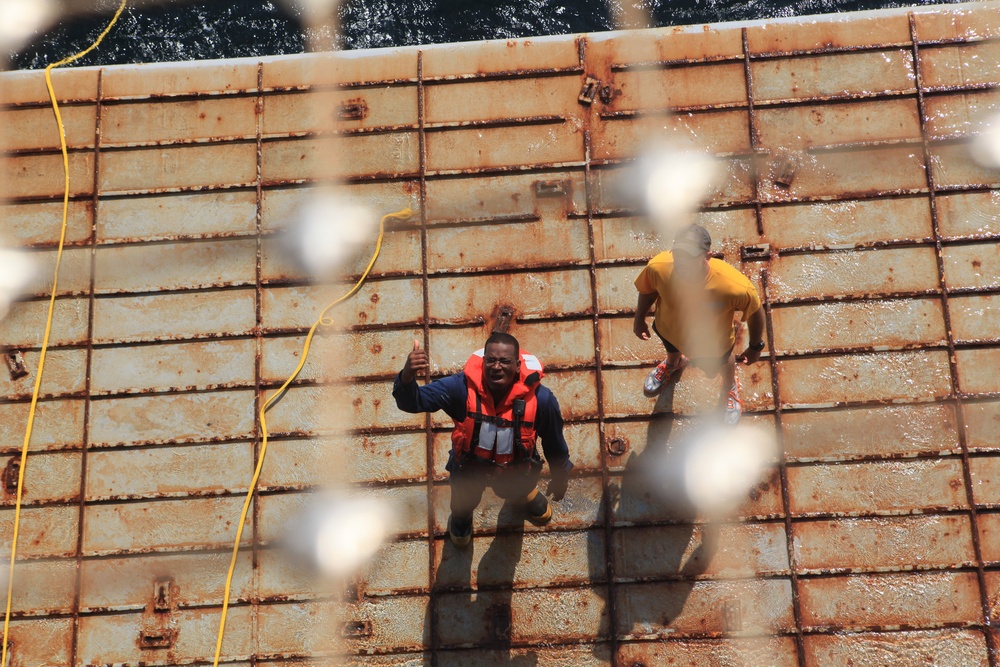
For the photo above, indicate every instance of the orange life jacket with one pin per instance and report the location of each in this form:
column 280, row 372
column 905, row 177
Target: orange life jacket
column 495, row 432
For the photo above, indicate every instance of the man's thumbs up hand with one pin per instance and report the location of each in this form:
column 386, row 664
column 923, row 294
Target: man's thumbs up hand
column 416, row 362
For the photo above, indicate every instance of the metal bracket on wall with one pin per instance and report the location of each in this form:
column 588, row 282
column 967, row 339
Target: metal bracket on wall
column 15, row 362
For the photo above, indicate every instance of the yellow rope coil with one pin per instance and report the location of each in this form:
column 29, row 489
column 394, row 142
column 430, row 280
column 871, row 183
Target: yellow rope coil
column 325, row 321
column 48, row 322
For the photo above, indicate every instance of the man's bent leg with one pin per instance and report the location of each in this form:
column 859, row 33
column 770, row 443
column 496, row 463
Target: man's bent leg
column 467, row 486
column 522, row 487
column 666, row 370
column 730, row 400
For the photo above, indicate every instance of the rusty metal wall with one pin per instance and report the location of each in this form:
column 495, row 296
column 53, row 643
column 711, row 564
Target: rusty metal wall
column 849, row 199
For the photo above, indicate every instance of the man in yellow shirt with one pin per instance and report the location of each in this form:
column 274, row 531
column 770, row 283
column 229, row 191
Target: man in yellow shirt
column 696, row 297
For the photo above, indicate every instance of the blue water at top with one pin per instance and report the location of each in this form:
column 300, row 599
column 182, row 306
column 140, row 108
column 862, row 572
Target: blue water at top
column 184, row 30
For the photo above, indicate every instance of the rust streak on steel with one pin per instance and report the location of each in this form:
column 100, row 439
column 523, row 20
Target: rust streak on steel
column 952, row 359
column 754, row 138
column 432, row 631
column 606, row 463
column 82, row 503
column 783, row 473
column 255, row 540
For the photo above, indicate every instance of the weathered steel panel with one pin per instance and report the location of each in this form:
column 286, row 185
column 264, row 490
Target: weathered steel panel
column 41, row 176
column 774, row 651
column 692, row 86
column 974, row 266
column 36, row 223
column 45, row 531
column 716, row 551
column 963, row 113
column 825, row 124
column 74, row 272
column 781, row 37
column 65, row 373
column 721, row 132
column 498, row 100
column 391, row 154
column 58, row 425
column 297, row 308
column 38, row 641
column 194, row 166
column 969, row 22
column 324, row 110
column 969, row 213
column 833, row 75
column 933, row 647
column 879, row 487
column 174, row 266
column 172, row 471
column 453, row 248
column 890, row 601
column 171, row 216
column 896, row 431
column 881, row 544
column 164, row 121
column 162, row 525
column 55, row 477
column 484, row 197
column 44, row 587
column 685, row 608
column 194, row 417
column 28, row 86
column 531, row 559
column 463, row 60
column 981, row 420
column 960, row 64
column 304, row 463
column 852, row 273
column 846, row 224
column 497, row 147
column 952, row 165
column 161, row 317
column 37, row 129
column 129, row 583
column 977, row 369
column 164, row 79
column 536, row 293
column 890, row 324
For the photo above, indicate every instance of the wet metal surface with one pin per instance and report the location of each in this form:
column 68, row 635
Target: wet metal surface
column 848, row 197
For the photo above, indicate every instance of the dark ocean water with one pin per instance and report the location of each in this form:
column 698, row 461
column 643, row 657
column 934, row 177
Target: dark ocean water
column 184, row 30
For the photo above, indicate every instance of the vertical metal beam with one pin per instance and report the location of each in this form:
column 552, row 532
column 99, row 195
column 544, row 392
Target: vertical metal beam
column 772, row 360
column 956, row 392
column 606, row 496
column 428, row 433
column 82, row 504
column 783, row 474
column 754, row 138
column 258, row 361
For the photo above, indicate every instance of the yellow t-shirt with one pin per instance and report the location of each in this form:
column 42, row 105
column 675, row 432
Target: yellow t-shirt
column 699, row 322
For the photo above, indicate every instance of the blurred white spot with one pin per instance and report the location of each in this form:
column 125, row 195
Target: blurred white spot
column 676, row 178
column 329, row 230
column 20, row 20
column 312, row 10
column 986, row 147
column 722, row 464
column 16, row 271
column 339, row 532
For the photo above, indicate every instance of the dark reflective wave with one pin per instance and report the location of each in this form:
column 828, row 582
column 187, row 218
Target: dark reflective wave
column 179, row 30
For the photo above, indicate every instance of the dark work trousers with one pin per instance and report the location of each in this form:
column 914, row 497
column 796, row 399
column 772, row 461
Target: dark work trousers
column 469, row 480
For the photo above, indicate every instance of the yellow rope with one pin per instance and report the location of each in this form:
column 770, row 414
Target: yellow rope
column 325, row 321
column 48, row 323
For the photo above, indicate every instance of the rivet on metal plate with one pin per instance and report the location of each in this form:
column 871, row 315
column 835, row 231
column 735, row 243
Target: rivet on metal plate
column 15, row 362
column 755, row 253
column 10, row 474
column 732, row 615
column 504, row 318
column 607, row 94
column 551, row 188
column 161, row 595
column 617, row 446
column 355, row 109
column 589, row 91
column 784, row 167
column 158, row 638
column 357, row 629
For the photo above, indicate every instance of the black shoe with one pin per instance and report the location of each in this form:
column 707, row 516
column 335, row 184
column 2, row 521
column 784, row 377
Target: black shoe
column 539, row 509
column 460, row 531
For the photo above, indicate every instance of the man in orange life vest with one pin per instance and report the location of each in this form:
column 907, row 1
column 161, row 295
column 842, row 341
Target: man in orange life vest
column 500, row 408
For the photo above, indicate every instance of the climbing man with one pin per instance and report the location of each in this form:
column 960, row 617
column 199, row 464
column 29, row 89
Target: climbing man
column 696, row 298
column 500, row 408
